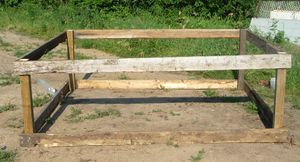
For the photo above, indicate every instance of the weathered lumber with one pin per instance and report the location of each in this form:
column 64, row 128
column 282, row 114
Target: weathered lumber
column 279, row 98
column 45, row 48
column 146, row 138
column 262, row 43
column 26, row 95
column 264, row 110
column 198, row 63
column 49, row 108
column 157, row 33
column 71, row 56
column 241, row 73
column 157, row 84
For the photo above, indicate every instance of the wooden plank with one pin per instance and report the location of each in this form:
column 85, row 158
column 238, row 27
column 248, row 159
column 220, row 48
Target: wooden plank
column 241, row 73
column 49, row 108
column 157, row 84
column 198, row 63
column 264, row 110
column 45, row 48
column 26, row 95
column 279, row 98
column 146, row 138
column 71, row 56
column 157, row 33
column 262, row 43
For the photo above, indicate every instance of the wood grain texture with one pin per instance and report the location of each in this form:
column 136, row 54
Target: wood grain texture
column 197, row 63
column 45, row 48
column 146, row 138
column 157, row 33
column 49, row 108
column 279, row 98
column 241, row 73
column 26, row 95
column 71, row 56
column 157, row 84
column 262, row 43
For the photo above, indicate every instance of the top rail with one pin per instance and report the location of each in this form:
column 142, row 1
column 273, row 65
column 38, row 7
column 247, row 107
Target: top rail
column 157, row 33
column 45, row 48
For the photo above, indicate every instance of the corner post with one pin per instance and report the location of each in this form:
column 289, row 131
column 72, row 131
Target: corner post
column 279, row 98
column 26, row 95
column 71, row 56
column 241, row 73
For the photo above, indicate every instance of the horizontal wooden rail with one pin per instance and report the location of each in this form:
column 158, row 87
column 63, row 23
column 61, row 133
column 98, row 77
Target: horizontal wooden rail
column 48, row 109
column 45, row 48
column 146, row 138
column 198, row 63
column 157, row 84
column 157, row 33
column 262, row 43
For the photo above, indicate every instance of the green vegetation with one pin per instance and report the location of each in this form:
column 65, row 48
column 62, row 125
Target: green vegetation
column 171, row 143
column 8, row 79
column 123, row 76
column 8, row 107
column 157, row 110
column 76, row 114
column 211, row 93
column 15, row 122
column 139, row 113
column 7, row 156
column 198, row 157
column 251, row 107
column 174, row 113
column 40, row 100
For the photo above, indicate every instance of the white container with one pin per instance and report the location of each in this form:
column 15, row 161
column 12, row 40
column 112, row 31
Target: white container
column 272, row 83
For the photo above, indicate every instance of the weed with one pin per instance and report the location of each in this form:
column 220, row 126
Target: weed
column 74, row 115
column 251, row 107
column 123, row 76
column 40, row 100
column 157, row 110
column 49, row 120
column 19, row 53
column 139, row 113
column 198, row 157
column 174, row 113
column 210, row 93
column 7, row 156
column 296, row 102
column 8, row 79
column 80, row 56
column 8, row 107
column 100, row 114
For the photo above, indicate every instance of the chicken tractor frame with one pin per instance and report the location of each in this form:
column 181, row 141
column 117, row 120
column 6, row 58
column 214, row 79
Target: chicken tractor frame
column 273, row 59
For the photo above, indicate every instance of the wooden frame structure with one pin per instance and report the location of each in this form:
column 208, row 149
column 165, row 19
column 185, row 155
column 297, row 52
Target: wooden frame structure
column 273, row 59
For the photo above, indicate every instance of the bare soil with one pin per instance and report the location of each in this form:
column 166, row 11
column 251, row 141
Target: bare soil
column 141, row 110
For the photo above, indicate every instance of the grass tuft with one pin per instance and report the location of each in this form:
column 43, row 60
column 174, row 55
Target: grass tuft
column 7, row 156
column 251, row 107
column 8, row 79
column 198, row 157
column 7, row 107
column 139, row 113
column 123, row 76
column 100, row 114
column 210, row 93
column 40, row 100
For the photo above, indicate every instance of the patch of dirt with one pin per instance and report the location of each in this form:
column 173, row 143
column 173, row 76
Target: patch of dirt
column 148, row 110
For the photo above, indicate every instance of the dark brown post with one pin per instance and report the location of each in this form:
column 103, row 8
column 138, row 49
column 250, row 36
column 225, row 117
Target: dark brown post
column 71, row 56
column 27, row 104
column 241, row 74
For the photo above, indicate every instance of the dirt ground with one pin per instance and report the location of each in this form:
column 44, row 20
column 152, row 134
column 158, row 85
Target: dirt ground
column 139, row 110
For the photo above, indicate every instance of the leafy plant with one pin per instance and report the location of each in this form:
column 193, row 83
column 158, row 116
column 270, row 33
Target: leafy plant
column 198, row 157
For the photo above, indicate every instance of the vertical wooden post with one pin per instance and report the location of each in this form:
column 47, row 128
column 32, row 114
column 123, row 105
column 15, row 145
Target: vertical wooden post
column 279, row 98
column 26, row 95
column 71, row 56
column 242, row 52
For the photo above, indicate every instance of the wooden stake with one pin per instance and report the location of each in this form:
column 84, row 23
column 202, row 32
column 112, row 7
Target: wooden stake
column 27, row 104
column 243, row 37
column 71, row 56
column 279, row 98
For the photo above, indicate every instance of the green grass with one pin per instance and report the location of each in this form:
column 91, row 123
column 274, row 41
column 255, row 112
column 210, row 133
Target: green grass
column 198, row 156
column 123, row 76
column 157, row 110
column 139, row 113
column 9, row 79
column 7, row 107
column 40, row 100
column 171, row 143
column 211, row 93
column 74, row 115
column 7, row 156
column 250, row 107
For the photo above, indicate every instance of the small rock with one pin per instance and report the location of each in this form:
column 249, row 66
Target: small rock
column 2, row 147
